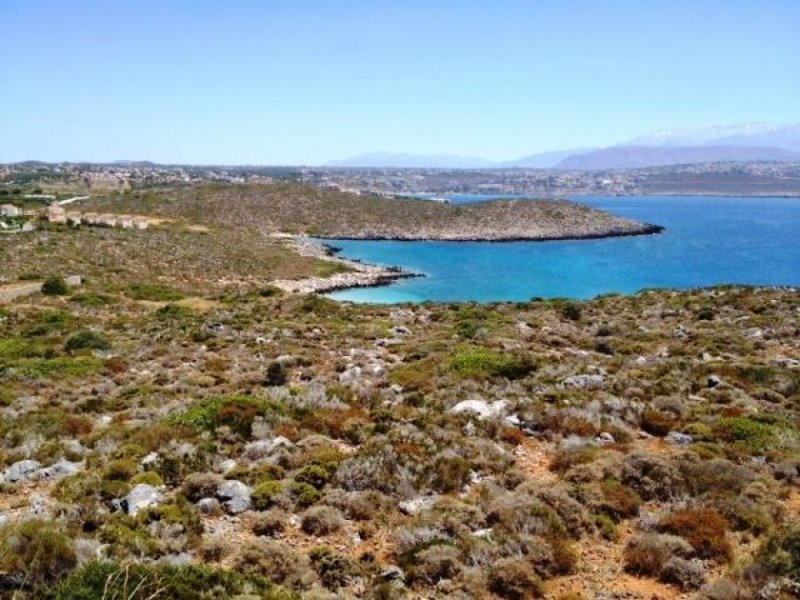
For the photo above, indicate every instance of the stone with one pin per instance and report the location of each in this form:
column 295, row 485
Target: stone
column 480, row 408
column 141, row 496
column 605, row 438
column 40, row 508
column 235, row 496
column 416, row 505
column 177, row 560
column 585, row 382
column 59, row 470
column 678, row 439
column 21, row 470
column 713, row 381
column 782, row 361
column 349, row 375
column 208, row 506
column 392, row 573
column 149, row 459
column 226, row 465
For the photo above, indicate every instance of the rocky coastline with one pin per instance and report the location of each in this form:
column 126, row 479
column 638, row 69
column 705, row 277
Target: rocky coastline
column 360, row 275
column 364, row 275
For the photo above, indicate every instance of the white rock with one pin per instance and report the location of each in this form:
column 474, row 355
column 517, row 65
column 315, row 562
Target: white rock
column 235, row 496
column 585, row 382
column 141, row 496
column 481, row 408
column 417, row 505
column 21, row 470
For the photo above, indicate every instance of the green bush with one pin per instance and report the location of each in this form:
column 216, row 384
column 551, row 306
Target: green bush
column 238, row 412
column 93, row 299
column 61, row 366
column 313, row 475
column 748, row 433
column 108, row 580
column 264, row 494
column 484, row 362
column 55, row 286
column 86, row 340
column 780, row 554
column 304, row 494
column 153, row 292
column 276, row 374
column 571, row 311
column 35, row 552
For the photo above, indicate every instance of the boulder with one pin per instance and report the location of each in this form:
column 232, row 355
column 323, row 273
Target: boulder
column 585, row 382
column 416, row 505
column 678, row 439
column 141, row 496
column 235, row 496
column 481, row 408
column 59, row 470
column 21, row 470
column 393, row 573
column 208, row 506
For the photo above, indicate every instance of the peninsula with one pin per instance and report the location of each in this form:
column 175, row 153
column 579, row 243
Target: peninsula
column 288, row 207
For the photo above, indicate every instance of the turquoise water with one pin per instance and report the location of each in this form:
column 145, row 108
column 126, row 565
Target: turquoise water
column 708, row 241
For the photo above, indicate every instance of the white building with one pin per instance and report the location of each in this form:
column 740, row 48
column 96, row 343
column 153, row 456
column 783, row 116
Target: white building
column 9, row 210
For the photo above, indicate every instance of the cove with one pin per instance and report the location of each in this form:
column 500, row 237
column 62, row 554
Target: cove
column 708, row 241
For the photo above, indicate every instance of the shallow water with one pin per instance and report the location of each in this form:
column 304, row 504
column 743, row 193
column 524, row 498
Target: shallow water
column 708, row 241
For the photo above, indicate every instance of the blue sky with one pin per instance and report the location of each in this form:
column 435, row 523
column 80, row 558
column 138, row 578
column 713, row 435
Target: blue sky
column 305, row 81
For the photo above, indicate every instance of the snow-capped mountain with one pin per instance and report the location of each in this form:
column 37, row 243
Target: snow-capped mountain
column 762, row 135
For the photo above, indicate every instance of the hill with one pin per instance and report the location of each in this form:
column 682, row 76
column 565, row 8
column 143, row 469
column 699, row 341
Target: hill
column 300, row 209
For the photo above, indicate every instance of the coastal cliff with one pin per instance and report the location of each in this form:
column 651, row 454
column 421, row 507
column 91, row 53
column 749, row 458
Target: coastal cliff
column 300, row 209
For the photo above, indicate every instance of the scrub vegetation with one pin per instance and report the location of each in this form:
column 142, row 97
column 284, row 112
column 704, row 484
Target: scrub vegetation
column 177, row 428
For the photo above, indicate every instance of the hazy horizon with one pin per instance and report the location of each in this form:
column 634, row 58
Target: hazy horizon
column 308, row 83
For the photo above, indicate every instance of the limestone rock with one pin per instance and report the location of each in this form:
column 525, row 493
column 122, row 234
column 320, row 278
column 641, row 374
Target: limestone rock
column 481, row 408
column 141, row 496
column 235, row 496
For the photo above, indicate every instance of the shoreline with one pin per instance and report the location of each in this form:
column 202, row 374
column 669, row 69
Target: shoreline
column 367, row 275
column 363, row 275
column 645, row 229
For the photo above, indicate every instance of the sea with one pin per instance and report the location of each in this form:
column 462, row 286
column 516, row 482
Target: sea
column 707, row 241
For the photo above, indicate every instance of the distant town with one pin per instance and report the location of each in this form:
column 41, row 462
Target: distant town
column 36, row 182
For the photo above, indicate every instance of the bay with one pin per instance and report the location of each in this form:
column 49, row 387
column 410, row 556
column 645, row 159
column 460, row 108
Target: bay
column 708, row 241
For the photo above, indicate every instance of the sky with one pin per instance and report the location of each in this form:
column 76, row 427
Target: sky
column 307, row 81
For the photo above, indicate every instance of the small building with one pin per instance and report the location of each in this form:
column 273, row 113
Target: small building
column 56, row 214
column 107, row 220
column 9, row 210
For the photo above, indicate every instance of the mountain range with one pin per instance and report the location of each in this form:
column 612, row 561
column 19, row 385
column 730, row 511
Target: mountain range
column 743, row 142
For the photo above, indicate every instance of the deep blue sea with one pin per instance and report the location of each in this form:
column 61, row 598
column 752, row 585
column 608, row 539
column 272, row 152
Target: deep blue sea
column 708, row 241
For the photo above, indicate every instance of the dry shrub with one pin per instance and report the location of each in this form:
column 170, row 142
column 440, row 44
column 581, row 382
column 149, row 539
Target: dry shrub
column 704, row 528
column 201, row 485
column 276, row 562
column 619, row 501
column 512, row 435
column 269, row 523
column 514, row 579
column 646, row 554
column 321, row 520
column 436, row 563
